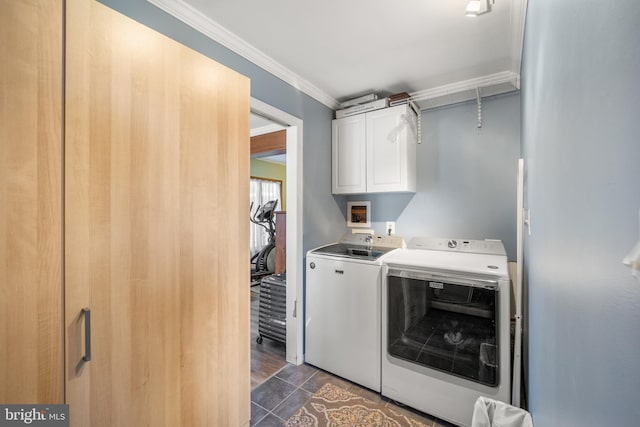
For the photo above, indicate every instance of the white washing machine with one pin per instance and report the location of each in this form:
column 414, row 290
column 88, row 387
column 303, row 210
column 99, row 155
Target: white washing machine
column 342, row 306
column 446, row 326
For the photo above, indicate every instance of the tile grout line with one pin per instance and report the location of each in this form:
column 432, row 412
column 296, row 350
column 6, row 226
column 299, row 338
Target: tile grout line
column 297, row 387
column 262, row 407
column 265, row 416
column 269, row 377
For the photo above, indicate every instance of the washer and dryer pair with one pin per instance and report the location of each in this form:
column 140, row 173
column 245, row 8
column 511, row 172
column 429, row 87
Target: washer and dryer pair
column 427, row 325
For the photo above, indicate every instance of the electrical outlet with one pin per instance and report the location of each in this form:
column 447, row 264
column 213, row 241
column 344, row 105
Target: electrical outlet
column 391, row 228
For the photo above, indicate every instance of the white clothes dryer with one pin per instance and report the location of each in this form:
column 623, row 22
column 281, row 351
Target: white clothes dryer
column 446, row 326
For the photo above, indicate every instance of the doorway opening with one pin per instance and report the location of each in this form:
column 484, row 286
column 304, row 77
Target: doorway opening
column 272, row 119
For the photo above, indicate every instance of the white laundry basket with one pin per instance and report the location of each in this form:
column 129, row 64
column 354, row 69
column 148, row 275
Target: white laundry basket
column 493, row 413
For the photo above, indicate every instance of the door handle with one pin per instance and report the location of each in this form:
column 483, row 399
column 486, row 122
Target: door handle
column 339, row 271
column 87, row 334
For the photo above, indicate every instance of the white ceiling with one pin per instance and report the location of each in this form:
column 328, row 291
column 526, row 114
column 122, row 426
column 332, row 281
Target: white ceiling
column 335, row 50
column 261, row 125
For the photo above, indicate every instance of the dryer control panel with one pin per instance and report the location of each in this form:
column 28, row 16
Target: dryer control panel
column 488, row 246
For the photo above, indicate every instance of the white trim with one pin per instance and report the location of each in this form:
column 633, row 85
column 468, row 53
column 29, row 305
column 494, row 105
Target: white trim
column 517, row 352
column 198, row 21
column 516, row 28
column 266, row 129
column 465, row 85
column 295, row 253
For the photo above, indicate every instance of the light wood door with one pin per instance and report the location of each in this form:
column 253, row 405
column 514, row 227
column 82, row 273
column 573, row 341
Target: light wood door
column 30, row 201
column 157, row 155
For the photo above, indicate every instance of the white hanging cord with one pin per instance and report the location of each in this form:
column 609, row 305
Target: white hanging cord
column 408, row 120
column 479, row 102
column 419, row 130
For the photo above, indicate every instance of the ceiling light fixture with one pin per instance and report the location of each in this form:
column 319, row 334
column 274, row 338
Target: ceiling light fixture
column 478, row 7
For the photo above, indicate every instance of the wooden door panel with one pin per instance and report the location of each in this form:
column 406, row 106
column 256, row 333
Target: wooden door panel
column 157, row 155
column 30, row 202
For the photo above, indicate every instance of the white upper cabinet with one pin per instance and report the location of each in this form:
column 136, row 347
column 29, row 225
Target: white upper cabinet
column 349, row 155
column 375, row 152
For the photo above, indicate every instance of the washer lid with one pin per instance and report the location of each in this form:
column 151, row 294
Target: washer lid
column 349, row 250
column 451, row 261
column 362, row 246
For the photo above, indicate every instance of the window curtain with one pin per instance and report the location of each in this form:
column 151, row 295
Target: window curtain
column 262, row 191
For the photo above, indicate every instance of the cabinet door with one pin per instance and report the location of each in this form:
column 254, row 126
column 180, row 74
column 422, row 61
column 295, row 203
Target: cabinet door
column 348, row 155
column 156, row 156
column 391, row 150
column 30, row 202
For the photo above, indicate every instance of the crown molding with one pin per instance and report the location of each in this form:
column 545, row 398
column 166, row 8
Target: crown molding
column 464, row 85
column 502, row 81
column 203, row 24
column 493, row 84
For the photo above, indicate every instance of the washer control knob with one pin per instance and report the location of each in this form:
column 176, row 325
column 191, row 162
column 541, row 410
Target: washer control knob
column 452, row 244
column 312, row 265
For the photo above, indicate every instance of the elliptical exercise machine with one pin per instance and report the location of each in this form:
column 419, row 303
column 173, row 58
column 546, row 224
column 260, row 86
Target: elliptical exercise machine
column 264, row 262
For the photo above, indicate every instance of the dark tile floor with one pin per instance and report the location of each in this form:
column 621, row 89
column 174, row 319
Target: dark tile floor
column 278, row 398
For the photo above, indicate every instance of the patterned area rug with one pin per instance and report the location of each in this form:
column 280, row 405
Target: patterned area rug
column 333, row 406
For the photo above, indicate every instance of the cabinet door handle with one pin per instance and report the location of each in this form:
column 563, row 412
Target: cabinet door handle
column 87, row 334
column 339, row 271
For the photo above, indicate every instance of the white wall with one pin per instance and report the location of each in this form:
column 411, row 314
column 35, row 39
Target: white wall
column 581, row 139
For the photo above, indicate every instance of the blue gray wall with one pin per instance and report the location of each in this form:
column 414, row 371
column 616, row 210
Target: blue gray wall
column 581, row 140
column 320, row 208
column 466, row 176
